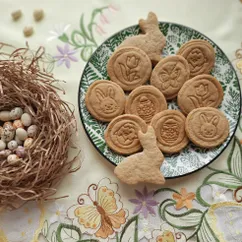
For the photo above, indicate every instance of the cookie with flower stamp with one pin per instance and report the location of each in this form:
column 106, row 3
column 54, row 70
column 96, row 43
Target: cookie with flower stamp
column 145, row 102
column 207, row 127
column 121, row 134
column 169, row 75
column 200, row 56
column 105, row 100
column 129, row 67
column 169, row 126
column 200, row 91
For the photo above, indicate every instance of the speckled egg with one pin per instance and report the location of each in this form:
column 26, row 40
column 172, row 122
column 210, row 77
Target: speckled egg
column 5, row 116
column 12, row 145
column 26, row 119
column 32, row 131
column 13, row 159
column 20, row 152
column 18, row 124
column 16, row 113
column 5, row 153
column 28, row 142
column 2, row 145
column 8, row 134
column 21, row 134
column 8, row 124
column 20, row 142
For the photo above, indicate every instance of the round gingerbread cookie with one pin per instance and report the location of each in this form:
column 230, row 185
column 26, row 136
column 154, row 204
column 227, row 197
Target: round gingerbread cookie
column 145, row 102
column 200, row 56
column 207, row 127
column 200, row 91
column 105, row 100
column 169, row 126
column 170, row 74
column 129, row 67
column 121, row 134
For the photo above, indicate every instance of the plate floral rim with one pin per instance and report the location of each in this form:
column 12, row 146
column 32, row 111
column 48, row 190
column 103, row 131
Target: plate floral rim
column 183, row 26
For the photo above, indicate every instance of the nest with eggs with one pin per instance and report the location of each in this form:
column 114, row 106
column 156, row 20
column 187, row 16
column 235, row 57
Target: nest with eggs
column 25, row 83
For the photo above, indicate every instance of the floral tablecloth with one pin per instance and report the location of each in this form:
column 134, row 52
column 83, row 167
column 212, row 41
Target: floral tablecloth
column 205, row 206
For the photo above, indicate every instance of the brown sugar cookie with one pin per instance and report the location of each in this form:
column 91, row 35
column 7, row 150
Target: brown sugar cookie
column 121, row 134
column 143, row 166
column 129, row 67
column 169, row 75
column 105, row 100
column 145, row 102
column 207, row 127
column 169, row 126
column 200, row 91
column 152, row 41
column 200, row 56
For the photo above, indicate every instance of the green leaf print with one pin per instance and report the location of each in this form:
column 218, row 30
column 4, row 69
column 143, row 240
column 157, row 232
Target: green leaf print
column 125, row 234
column 68, row 232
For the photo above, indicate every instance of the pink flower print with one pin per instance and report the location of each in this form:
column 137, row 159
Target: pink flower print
column 104, row 19
column 100, row 30
column 66, row 56
column 113, row 8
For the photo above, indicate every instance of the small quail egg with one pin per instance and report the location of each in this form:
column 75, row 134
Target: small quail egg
column 28, row 142
column 32, row 131
column 8, row 134
column 26, row 119
column 13, row 159
column 21, row 134
column 20, row 152
column 1, row 130
column 5, row 153
column 5, row 116
column 8, row 124
column 12, row 145
column 18, row 124
column 2, row 145
column 20, row 142
column 16, row 113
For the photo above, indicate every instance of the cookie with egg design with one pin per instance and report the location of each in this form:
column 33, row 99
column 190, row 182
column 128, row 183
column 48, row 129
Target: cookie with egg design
column 169, row 126
column 145, row 102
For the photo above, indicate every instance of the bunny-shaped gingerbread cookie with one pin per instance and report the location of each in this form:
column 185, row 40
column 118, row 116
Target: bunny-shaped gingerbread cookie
column 143, row 166
column 152, row 41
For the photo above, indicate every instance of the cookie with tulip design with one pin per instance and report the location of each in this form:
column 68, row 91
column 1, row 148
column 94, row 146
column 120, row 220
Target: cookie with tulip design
column 169, row 75
column 169, row 126
column 105, row 100
column 200, row 56
column 207, row 127
column 121, row 134
column 145, row 102
column 200, row 91
column 129, row 67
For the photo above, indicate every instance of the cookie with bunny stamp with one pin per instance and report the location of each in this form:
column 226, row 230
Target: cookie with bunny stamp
column 207, row 127
column 105, row 100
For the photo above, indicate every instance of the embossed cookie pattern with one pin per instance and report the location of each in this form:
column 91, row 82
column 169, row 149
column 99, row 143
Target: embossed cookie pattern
column 200, row 56
column 145, row 102
column 207, row 127
column 129, row 67
column 105, row 100
column 121, row 134
column 169, row 126
column 200, row 91
column 169, row 75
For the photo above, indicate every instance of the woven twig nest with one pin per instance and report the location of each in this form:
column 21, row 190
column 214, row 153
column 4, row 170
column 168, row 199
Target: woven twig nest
column 23, row 83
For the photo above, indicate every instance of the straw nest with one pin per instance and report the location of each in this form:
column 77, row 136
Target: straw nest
column 23, row 83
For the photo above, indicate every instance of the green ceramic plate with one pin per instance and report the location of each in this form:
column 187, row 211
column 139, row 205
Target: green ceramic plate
column 191, row 158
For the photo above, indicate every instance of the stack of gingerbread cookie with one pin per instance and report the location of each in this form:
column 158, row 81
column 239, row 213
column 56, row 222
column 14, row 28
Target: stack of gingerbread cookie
column 141, row 82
